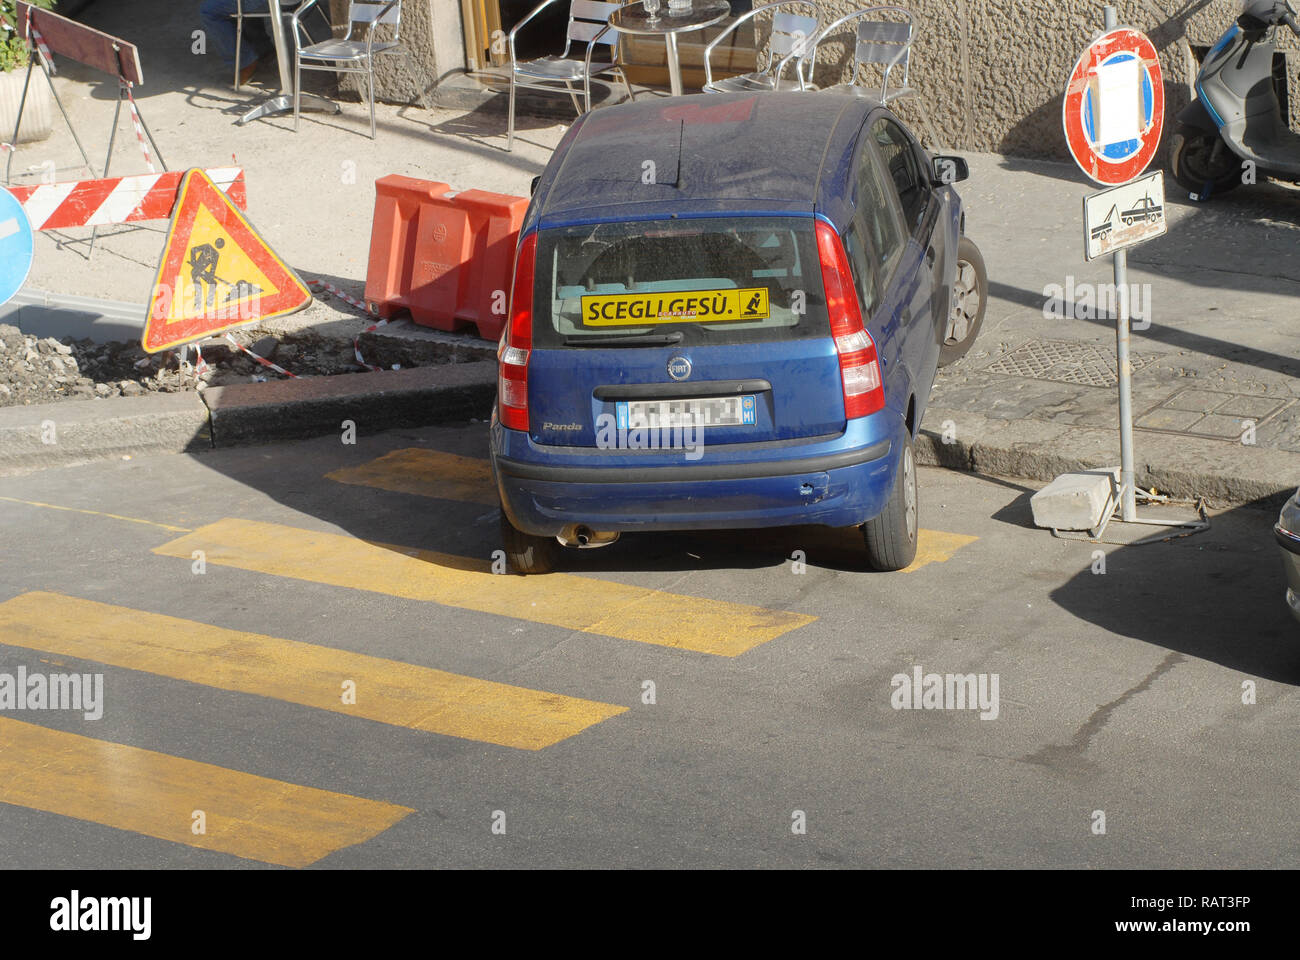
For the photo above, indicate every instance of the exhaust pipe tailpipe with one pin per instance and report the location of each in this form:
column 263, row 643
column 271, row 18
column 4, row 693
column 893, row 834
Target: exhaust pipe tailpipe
column 584, row 538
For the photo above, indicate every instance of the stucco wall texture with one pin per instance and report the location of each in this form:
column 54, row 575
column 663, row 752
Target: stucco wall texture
column 991, row 73
column 434, row 49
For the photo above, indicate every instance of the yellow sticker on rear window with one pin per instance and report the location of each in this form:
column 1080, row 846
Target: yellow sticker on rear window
column 686, row 306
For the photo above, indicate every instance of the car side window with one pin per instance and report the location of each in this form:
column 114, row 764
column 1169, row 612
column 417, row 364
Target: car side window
column 899, row 156
column 878, row 211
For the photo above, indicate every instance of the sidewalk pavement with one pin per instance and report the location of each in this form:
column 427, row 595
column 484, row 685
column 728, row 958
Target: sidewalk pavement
column 1036, row 396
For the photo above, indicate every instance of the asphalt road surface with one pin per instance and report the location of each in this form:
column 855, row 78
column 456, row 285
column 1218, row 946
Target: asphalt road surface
column 307, row 660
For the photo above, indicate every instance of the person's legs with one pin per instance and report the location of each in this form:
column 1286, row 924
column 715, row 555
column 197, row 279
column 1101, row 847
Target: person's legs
column 218, row 21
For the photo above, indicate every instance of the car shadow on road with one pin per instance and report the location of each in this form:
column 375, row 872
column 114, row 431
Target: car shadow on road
column 463, row 524
column 820, row 547
column 1216, row 595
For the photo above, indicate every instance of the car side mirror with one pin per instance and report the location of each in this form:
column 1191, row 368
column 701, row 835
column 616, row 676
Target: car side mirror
column 950, row 170
column 532, row 187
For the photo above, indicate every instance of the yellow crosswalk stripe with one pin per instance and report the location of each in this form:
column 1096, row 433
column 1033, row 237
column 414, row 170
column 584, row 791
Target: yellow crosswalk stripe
column 936, row 546
column 575, row 603
column 160, row 795
column 388, row 691
column 427, row 473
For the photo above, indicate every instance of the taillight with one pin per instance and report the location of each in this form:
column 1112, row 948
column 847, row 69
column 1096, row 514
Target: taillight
column 512, row 355
column 864, row 393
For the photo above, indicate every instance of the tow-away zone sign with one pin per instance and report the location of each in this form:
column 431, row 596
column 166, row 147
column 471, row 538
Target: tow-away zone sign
column 1124, row 216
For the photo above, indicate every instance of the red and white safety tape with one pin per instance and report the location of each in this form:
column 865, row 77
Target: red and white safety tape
column 139, row 127
column 356, row 342
column 262, row 360
column 41, row 45
column 201, row 366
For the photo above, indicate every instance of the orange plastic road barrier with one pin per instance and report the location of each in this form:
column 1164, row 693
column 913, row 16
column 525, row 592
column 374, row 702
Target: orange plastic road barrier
column 446, row 257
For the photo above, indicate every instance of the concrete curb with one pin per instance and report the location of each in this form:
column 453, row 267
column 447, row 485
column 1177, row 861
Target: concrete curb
column 72, row 432
column 1180, row 466
column 249, row 413
column 79, row 431
column 254, row 413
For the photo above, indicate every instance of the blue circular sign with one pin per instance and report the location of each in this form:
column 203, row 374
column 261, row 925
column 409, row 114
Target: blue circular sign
column 1116, row 152
column 16, row 246
column 679, row 368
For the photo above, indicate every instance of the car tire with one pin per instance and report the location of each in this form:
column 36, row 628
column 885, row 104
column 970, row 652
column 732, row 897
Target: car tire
column 527, row 553
column 1190, row 150
column 890, row 538
column 970, row 298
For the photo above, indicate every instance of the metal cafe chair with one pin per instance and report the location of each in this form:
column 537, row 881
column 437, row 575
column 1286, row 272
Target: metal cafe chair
column 286, row 10
column 790, row 35
column 886, row 44
column 588, row 23
column 350, row 54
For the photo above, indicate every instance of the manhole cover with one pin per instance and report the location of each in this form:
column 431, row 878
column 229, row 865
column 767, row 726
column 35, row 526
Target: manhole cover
column 1212, row 414
column 1064, row 361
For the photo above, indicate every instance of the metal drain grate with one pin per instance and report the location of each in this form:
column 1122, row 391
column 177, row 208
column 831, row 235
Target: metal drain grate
column 1064, row 361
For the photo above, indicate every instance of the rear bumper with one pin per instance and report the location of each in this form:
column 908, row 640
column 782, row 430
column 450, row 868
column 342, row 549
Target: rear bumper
column 837, row 482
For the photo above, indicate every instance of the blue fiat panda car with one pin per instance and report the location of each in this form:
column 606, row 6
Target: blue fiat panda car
column 727, row 312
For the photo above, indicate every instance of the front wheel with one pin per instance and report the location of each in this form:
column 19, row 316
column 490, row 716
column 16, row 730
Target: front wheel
column 890, row 538
column 970, row 295
column 527, row 553
column 1199, row 159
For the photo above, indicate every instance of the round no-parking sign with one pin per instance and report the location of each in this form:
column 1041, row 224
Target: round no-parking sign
column 15, row 245
column 1114, row 107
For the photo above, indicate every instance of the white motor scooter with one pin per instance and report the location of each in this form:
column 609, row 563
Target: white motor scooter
column 1234, row 130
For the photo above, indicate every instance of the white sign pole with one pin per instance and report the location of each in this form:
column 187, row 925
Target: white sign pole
column 1124, row 368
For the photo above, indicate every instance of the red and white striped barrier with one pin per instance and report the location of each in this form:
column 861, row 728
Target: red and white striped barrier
column 97, row 203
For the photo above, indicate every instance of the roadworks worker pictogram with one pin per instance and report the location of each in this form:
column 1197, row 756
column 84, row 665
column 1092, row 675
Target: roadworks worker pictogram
column 216, row 272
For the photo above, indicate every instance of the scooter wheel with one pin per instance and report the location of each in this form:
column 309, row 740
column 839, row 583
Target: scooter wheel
column 1192, row 161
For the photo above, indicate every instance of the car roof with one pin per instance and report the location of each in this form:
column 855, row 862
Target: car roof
column 761, row 152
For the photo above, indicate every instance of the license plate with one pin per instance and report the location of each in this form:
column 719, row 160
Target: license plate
column 705, row 412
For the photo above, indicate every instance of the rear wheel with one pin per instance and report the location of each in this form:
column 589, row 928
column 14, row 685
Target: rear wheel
column 1198, row 158
column 527, row 553
column 891, row 537
column 970, row 295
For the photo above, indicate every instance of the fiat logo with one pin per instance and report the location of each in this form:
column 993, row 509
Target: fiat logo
column 679, row 368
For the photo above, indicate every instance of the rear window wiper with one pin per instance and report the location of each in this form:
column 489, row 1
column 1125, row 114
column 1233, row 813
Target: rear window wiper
column 645, row 340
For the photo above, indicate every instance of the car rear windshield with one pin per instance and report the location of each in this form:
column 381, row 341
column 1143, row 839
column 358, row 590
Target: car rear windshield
column 726, row 280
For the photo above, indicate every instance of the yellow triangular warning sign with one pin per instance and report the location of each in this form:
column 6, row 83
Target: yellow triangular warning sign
column 216, row 271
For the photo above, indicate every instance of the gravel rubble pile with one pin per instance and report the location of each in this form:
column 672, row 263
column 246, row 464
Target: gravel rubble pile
column 45, row 369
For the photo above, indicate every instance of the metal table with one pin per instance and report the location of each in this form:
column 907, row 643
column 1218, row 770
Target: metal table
column 702, row 13
column 283, row 101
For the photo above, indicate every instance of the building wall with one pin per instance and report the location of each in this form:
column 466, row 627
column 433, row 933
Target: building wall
column 431, row 31
column 991, row 73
